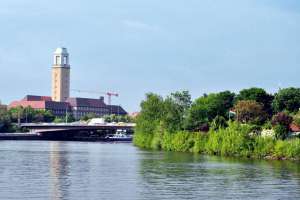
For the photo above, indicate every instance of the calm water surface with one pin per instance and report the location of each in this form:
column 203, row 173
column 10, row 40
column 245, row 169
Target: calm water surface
column 78, row 170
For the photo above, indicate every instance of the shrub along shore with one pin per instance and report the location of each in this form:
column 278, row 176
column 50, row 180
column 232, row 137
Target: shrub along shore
column 222, row 123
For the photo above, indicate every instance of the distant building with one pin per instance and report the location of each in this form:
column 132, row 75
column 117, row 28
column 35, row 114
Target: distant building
column 83, row 106
column 3, row 107
column 58, row 109
column 61, row 75
column 294, row 128
column 79, row 107
column 60, row 102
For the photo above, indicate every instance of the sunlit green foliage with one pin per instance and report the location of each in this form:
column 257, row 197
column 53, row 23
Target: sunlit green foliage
column 287, row 99
column 9, row 118
column 174, row 124
column 28, row 115
column 296, row 119
column 207, row 107
column 287, row 149
column 231, row 141
column 260, row 96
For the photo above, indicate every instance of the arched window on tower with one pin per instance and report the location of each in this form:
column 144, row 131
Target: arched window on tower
column 65, row 60
column 57, row 60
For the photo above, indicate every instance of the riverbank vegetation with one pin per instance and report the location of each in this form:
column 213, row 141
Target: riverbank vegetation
column 251, row 123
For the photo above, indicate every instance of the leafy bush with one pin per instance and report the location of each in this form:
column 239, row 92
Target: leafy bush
column 249, row 111
column 166, row 143
column 288, row 149
column 200, row 140
column 161, row 123
column 143, row 140
column 281, row 122
column 182, row 141
column 281, row 132
column 259, row 95
column 282, row 118
column 219, row 122
column 267, row 125
column 297, row 119
column 232, row 141
column 263, row 147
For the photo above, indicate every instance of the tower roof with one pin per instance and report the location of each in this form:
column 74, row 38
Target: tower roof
column 61, row 50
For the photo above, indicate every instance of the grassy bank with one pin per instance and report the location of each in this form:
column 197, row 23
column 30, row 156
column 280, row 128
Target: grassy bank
column 234, row 140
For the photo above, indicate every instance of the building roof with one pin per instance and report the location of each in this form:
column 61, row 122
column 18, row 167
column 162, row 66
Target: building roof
column 61, row 50
column 36, row 98
column 116, row 109
column 86, row 102
column 39, row 102
column 24, row 103
column 294, row 128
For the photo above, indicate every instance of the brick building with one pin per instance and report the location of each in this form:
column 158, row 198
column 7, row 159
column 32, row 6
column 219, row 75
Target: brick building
column 77, row 106
column 61, row 103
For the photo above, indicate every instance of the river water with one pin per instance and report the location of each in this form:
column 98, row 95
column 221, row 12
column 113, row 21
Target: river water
column 81, row 170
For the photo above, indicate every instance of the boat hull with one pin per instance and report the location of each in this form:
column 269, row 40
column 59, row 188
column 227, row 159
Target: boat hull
column 118, row 139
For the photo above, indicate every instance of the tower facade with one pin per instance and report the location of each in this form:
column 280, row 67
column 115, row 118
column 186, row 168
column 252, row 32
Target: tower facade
column 60, row 75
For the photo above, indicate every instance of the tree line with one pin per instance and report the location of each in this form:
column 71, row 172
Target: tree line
column 177, row 115
column 251, row 106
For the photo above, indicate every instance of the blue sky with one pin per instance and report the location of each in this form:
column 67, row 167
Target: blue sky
column 139, row 46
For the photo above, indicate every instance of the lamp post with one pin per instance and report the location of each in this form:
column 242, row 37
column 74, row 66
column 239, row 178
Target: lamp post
column 66, row 114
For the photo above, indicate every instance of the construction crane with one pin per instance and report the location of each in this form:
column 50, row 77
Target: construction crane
column 108, row 94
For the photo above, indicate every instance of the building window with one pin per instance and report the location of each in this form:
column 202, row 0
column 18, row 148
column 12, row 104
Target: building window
column 57, row 60
column 65, row 60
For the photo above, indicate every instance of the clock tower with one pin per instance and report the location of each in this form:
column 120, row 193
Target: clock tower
column 60, row 75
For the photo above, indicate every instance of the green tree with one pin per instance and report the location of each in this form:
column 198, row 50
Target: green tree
column 28, row 114
column 16, row 114
column 59, row 120
column 287, row 99
column 249, row 111
column 117, row 118
column 204, row 109
column 175, row 110
column 88, row 116
column 114, row 118
column 152, row 109
column 260, row 96
column 43, row 116
column 182, row 99
column 107, row 118
column 5, row 121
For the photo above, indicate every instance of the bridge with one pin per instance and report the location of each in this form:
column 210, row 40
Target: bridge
column 69, row 131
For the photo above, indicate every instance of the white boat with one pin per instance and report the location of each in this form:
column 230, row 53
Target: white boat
column 120, row 135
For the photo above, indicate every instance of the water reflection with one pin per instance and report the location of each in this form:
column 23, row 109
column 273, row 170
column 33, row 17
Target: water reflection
column 195, row 176
column 74, row 170
column 59, row 171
